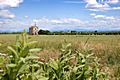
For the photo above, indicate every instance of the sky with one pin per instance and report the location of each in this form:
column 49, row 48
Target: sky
column 60, row 15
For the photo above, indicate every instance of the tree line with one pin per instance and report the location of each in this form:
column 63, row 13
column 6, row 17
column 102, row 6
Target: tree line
column 47, row 32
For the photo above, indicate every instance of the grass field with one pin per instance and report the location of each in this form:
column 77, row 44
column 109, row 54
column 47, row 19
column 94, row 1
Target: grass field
column 107, row 48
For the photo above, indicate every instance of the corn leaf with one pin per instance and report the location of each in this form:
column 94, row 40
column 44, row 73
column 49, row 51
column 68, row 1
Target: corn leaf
column 13, row 51
column 31, row 43
column 53, row 64
column 35, row 50
column 43, row 78
column 11, row 65
column 31, row 58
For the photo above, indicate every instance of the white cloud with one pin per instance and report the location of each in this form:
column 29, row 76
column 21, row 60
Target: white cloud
column 102, row 16
column 70, row 20
column 5, row 5
column 101, row 22
column 113, row 1
column 10, row 3
column 116, row 8
column 91, row 1
column 6, row 14
column 97, row 6
column 110, row 18
column 101, row 5
column 57, row 20
column 26, row 17
column 13, row 25
column 99, row 16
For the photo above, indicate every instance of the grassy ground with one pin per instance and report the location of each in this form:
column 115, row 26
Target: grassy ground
column 107, row 48
column 54, row 41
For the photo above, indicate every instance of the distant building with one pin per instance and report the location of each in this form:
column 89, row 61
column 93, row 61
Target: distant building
column 33, row 30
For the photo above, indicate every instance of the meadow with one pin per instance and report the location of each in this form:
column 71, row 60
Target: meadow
column 105, row 47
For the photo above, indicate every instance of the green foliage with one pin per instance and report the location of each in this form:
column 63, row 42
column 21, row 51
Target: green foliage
column 21, row 63
column 84, row 67
column 47, row 32
column 44, row 32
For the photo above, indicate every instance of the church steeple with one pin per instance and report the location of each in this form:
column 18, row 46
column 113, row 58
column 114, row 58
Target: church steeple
column 35, row 24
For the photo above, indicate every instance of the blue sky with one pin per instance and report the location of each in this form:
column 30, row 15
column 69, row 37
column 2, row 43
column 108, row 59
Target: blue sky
column 87, row 15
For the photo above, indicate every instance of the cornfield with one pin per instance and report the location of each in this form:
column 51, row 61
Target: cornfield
column 21, row 62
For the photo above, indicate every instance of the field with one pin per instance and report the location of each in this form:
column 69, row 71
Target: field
column 105, row 47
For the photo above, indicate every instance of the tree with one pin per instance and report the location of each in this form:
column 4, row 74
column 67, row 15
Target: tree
column 43, row 31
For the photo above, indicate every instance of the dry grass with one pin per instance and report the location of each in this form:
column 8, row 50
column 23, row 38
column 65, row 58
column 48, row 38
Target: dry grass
column 45, row 55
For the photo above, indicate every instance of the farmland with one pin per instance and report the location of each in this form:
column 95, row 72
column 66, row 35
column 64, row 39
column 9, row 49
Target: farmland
column 54, row 41
column 106, row 48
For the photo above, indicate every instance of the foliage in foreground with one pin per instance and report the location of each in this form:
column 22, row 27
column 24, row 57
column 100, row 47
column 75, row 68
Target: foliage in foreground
column 21, row 63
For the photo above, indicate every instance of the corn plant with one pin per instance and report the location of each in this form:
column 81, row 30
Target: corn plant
column 21, row 63
column 84, row 67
